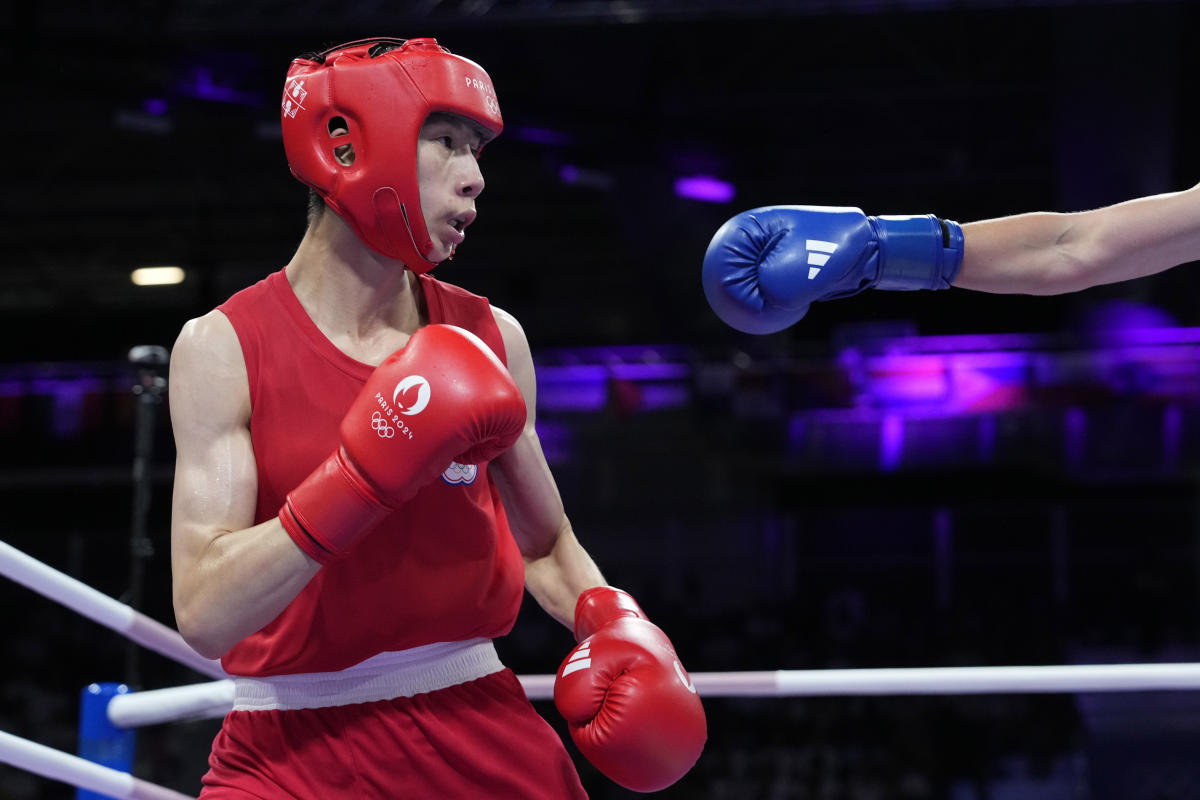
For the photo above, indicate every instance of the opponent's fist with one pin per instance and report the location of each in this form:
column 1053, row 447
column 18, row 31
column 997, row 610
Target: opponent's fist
column 765, row 266
column 631, row 708
column 443, row 397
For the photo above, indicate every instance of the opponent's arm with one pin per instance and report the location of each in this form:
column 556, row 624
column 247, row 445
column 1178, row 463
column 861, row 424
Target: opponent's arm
column 229, row 577
column 764, row 267
column 1045, row 253
column 629, row 705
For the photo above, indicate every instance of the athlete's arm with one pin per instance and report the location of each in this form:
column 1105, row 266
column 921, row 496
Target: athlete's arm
column 764, row 267
column 557, row 568
column 229, row 576
column 1046, row 253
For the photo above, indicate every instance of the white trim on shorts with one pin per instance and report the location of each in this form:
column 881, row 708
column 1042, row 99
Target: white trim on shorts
column 402, row 673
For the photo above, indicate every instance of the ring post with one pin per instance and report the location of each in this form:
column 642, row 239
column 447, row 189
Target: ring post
column 149, row 390
column 100, row 741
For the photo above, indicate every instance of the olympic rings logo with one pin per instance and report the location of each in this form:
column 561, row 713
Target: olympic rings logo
column 380, row 425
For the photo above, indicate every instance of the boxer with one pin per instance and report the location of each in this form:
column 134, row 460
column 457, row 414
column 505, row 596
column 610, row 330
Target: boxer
column 360, row 495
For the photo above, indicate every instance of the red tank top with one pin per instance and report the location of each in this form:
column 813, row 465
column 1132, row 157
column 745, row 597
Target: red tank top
column 443, row 567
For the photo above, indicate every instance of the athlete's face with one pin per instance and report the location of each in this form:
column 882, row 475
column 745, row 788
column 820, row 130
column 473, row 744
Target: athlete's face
column 449, row 178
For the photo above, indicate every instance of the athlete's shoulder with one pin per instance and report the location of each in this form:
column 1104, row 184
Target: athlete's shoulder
column 515, row 341
column 205, row 336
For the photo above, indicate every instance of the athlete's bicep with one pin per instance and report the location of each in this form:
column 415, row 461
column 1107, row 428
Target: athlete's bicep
column 527, row 488
column 215, row 475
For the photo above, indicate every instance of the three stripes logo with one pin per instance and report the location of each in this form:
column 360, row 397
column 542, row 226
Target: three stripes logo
column 818, row 255
column 580, row 659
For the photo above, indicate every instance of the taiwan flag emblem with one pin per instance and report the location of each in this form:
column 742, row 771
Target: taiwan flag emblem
column 460, row 474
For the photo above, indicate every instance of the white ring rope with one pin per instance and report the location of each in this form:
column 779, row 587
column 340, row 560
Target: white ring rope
column 1054, row 679
column 210, row 700
column 196, row 701
column 215, row 699
column 60, row 766
column 99, row 607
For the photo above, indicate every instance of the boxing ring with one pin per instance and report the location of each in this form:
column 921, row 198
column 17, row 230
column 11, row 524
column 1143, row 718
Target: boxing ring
column 112, row 710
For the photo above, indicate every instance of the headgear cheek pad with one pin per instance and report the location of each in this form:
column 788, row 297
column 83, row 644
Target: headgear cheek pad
column 383, row 99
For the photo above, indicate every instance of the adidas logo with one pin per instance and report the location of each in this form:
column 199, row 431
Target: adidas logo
column 580, row 659
column 818, row 255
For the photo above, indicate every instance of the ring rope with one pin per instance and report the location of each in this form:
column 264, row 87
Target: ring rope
column 215, row 699
column 57, row 765
column 99, row 607
column 1052, row 679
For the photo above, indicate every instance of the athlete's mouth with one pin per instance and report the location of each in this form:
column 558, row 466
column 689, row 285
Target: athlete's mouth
column 461, row 221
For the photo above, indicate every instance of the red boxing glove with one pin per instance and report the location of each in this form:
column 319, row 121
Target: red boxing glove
column 443, row 397
column 631, row 708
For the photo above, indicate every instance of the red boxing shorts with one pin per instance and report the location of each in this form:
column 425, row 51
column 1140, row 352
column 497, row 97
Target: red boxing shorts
column 456, row 723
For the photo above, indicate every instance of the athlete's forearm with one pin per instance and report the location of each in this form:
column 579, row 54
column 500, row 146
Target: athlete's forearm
column 237, row 583
column 1045, row 253
column 558, row 578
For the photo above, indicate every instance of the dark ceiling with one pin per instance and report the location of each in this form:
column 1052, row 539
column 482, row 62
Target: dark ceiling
column 148, row 134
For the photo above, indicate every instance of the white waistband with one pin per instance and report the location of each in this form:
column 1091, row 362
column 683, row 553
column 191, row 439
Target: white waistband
column 402, row 673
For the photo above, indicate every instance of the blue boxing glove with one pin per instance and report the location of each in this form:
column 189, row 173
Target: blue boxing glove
column 765, row 266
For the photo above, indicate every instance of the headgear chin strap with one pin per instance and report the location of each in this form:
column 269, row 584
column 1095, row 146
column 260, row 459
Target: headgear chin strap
column 383, row 96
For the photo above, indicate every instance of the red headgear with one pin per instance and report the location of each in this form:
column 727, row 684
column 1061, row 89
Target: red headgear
column 384, row 96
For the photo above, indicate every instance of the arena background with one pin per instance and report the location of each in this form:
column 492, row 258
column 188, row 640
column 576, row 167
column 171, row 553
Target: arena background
column 916, row 479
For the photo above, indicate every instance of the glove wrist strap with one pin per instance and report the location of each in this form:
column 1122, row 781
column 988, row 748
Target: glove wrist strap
column 917, row 252
column 328, row 512
column 601, row 605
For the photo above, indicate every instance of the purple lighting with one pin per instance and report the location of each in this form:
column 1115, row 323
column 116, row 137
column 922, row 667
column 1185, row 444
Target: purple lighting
column 529, row 133
column 556, row 440
column 1172, row 433
column 897, row 403
column 200, row 84
column 585, row 178
column 1075, row 435
column 891, row 442
column 155, row 106
column 68, row 398
column 955, row 383
column 704, row 188
column 573, row 388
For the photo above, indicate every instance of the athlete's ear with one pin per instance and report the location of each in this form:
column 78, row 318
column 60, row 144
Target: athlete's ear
column 344, row 153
